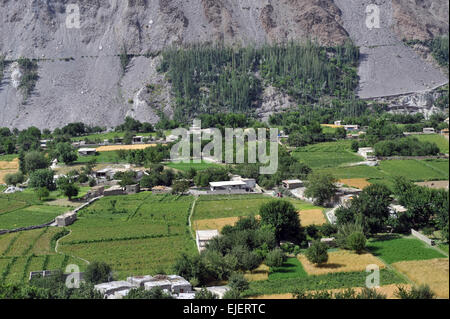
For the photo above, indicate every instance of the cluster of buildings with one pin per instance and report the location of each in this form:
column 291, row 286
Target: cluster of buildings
column 175, row 285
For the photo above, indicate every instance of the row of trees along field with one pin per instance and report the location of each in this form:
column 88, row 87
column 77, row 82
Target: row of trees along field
column 212, row 78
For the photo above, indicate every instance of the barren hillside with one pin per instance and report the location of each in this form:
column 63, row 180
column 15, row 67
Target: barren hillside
column 80, row 77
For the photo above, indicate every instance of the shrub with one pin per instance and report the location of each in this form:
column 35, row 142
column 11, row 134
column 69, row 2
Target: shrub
column 205, row 294
column 14, row 179
column 98, row 272
column 275, row 258
column 421, row 292
column 238, row 282
column 356, row 241
column 344, row 231
column 317, row 253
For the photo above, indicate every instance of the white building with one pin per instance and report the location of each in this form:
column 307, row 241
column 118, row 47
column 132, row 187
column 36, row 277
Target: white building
column 87, row 151
column 204, row 236
column 109, row 289
column 227, row 185
column 367, row 152
column 351, row 127
column 428, row 130
column 292, row 183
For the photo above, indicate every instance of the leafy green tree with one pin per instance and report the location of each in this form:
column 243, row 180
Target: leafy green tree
column 357, row 242
column 180, row 187
column 42, row 178
column 65, row 153
column 321, row 187
column 205, row 294
column 98, row 272
column 68, row 187
column 238, row 282
column 34, row 160
column 283, row 217
column 14, row 178
column 275, row 258
column 42, row 192
column 317, row 253
column 154, row 293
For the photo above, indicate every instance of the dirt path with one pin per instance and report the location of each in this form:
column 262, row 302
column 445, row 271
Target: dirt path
column 60, row 253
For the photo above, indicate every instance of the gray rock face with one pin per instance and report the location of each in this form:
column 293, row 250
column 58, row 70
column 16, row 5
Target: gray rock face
column 387, row 66
column 80, row 73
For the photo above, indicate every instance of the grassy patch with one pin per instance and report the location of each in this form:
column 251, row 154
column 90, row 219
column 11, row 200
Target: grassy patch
column 325, row 155
column 197, row 166
column 29, row 216
column 292, row 268
column 135, row 234
column 393, row 249
column 322, row 282
column 101, row 157
column 438, row 139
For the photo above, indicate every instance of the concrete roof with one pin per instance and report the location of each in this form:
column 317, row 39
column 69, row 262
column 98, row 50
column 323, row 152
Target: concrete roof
column 207, row 234
column 227, row 183
column 87, row 150
column 292, row 181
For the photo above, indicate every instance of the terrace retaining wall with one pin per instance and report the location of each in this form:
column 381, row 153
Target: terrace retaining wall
column 7, row 231
column 422, row 237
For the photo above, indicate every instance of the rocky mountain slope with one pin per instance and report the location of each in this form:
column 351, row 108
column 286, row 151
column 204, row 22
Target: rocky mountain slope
column 80, row 77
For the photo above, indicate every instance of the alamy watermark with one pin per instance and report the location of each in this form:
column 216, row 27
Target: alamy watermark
column 258, row 145
column 372, row 16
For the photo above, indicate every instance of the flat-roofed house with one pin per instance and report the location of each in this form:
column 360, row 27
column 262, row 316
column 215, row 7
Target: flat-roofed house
column 351, row 127
column 66, row 219
column 204, row 236
column 109, row 289
column 139, row 281
column 428, row 130
column 87, row 151
column 292, row 183
column 138, row 139
column 227, row 185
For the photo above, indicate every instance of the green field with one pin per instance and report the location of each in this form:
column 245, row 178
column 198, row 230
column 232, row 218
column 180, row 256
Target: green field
column 394, row 249
column 29, row 216
column 197, row 166
column 415, row 170
column 101, row 157
column 143, row 233
column 292, row 268
column 328, row 154
column 105, row 136
column 322, row 282
column 223, row 206
column 438, row 139
column 31, row 250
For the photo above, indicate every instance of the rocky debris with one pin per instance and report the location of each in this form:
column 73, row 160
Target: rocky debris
column 419, row 102
column 387, row 67
column 420, row 20
column 273, row 101
column 80, row 75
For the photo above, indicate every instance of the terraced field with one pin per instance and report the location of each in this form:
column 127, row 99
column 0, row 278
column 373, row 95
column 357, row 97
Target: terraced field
column 329, row 154
column 28, row 251
column 136, row 234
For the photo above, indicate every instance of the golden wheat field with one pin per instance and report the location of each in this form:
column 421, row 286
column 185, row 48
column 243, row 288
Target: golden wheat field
column 360, row 183
column 260, row 273
column 311, row 217
column 108, row 148
column 433, row 272
column 14, row 164
column 341, row 261
column 216, row 223
column 388, row 290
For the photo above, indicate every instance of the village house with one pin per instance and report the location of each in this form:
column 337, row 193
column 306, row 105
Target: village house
column 138, row 139
column 351, row 127
column 292, row 183
column 428, row 130
column 228, row 185
column 66, row 219
column 367, row 152
column 87, row 151
column 161, row 190
column 114, row 190
column 204, row 236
